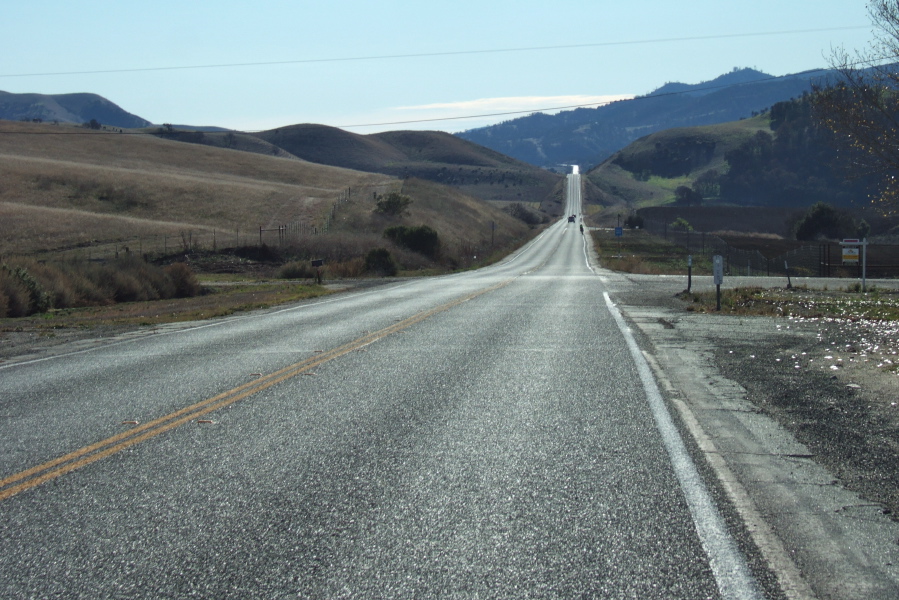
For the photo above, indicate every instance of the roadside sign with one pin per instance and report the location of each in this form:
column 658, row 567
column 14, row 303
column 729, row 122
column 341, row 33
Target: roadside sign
column 718, row 269
column 619, row 231
column 318, row 262
column 851, row 255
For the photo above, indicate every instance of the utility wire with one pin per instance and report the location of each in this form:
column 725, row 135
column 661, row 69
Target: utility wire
column 436, row 54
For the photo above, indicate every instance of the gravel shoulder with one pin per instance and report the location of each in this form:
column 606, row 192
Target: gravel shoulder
column 799, row 419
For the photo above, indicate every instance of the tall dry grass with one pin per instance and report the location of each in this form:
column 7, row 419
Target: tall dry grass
column 68, row 187
column 28, row 287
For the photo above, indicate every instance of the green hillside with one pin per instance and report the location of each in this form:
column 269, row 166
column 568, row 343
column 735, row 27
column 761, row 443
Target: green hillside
column 648, row 171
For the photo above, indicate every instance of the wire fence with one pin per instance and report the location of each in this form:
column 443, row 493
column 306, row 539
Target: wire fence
column 820, row 259
column 215, row 239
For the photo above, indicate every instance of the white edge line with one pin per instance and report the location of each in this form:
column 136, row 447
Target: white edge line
column 792, row 584
column 729, row 567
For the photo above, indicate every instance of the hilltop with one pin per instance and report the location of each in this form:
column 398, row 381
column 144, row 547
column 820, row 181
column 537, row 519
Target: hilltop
column 66, row 108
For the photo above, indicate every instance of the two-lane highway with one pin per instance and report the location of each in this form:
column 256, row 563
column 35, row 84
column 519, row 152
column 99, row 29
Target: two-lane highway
column 490, row 434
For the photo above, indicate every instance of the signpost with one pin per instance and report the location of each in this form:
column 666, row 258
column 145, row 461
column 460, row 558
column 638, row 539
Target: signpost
column 619, row 231
column 718, row 276
column 850, row 256
column 689, row 272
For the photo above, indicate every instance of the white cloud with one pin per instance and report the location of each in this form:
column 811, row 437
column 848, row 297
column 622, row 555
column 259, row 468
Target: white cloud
column 442, row 116
column 519, row 103
column 470, row 114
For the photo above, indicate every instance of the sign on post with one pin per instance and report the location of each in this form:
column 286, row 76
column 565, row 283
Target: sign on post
column 718, row 269
column 851, row 252
column 718, row 276
column 850, row 256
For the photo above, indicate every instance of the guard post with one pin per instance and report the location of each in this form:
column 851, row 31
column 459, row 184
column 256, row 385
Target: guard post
column 718, row 276
column 689, row 272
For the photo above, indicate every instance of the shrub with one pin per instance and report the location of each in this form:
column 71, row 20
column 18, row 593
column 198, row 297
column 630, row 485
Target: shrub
column 298, row 269
column 420, row 239
column 393, row 204
column 379, row 260
column 183, row 280
column 16, row 296
column 36, row 297
column 27, row 287
column 521, row 212
column 681, row 224
column 352, row 267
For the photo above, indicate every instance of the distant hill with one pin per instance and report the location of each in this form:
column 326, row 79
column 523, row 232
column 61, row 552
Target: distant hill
column 93, row 193
column 431, row 155
column 219, row 138
column 587, row 136
column 781, row 160
column 66, row 108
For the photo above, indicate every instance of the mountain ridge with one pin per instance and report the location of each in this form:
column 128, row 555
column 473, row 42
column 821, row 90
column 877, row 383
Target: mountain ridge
column 587, row 136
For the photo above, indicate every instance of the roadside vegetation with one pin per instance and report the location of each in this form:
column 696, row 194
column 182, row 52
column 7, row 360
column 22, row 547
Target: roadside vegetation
column 643, row 253
column 802, row 302
column 220, row 298
column 28, row 287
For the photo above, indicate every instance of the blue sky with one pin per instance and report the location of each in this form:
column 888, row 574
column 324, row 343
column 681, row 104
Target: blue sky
column 467, row 57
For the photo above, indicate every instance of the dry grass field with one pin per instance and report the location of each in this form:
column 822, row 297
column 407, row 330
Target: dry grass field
column 63, row 186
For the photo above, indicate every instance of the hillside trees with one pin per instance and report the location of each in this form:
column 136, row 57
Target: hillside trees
column 687, row 196
column 862, row 107
column 796, row 164
column 823, row 220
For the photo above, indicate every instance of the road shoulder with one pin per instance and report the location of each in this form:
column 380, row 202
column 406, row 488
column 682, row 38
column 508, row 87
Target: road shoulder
column 820, row 538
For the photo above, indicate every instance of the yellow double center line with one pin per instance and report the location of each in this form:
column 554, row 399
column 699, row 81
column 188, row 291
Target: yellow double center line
column 24, row 480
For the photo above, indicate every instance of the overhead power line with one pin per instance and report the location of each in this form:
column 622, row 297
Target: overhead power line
column 437, row 54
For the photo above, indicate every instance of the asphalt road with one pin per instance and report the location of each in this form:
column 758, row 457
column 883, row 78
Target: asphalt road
column 492, row 434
